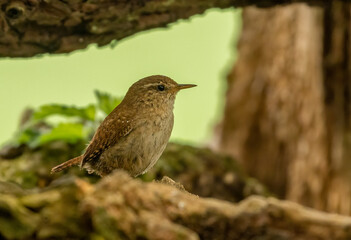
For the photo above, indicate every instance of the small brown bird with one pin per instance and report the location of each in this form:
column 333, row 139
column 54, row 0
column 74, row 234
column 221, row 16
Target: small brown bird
column 133, row 136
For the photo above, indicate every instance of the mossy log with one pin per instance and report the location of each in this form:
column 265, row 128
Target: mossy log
column 119, row 207
column 200, row 170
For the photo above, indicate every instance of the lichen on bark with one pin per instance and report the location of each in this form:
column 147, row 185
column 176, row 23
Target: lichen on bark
column 31, row 27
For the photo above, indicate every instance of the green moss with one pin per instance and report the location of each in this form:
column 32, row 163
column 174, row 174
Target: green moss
column 16, row 221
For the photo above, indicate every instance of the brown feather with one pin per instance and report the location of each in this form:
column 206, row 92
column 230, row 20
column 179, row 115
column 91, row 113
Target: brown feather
column 69, row 163
column 111, row 130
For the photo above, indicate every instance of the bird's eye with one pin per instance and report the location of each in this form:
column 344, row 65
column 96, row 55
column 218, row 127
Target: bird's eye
column 161, row 87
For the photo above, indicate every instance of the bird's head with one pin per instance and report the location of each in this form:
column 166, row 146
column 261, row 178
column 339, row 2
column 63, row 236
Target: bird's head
column 155, row 90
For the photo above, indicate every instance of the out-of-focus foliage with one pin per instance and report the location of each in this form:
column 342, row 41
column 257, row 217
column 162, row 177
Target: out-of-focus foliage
column 106, row 102
column 74, row 125
column 48, row 136
column 67, row 132
column 87, row 113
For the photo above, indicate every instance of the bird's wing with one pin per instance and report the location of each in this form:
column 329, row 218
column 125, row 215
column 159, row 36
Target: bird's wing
column 111, row 130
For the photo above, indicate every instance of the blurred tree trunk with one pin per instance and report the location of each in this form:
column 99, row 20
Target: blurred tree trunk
column 288, row 106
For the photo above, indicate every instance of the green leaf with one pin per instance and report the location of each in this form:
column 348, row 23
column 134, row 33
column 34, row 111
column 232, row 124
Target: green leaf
column 26, row 135
column 87, row 113
column 67, row 132
column 106, row 102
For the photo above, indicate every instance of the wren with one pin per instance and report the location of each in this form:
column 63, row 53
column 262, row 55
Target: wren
column 134, row 135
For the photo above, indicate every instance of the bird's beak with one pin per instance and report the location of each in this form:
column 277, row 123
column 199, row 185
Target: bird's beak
column 184, row 86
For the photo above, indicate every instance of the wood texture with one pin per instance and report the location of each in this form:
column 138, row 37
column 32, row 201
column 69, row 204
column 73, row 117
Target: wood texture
column 119, row 207
column 337, row 88
column 31, row 27
column 287, row 115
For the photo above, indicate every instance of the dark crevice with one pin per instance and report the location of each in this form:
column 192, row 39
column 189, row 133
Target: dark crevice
column 347, row 68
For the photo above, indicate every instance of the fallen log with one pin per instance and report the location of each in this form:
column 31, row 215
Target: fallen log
column 119, row 207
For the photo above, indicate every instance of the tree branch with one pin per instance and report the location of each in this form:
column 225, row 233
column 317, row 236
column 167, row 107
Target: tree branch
column 31, row 27
column 119, row 207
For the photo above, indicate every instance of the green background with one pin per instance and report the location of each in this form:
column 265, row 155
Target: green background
column 199, row 51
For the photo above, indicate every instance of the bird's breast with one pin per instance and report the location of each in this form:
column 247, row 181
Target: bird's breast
column 141, row 148
column 155, row 139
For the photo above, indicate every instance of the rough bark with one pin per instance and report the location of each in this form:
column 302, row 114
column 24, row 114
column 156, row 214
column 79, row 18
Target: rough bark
column 30, row 27
column 337, row 88
column 287, row 115
column 119, row 207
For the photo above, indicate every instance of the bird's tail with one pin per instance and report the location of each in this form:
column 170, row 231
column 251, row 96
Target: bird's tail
column 73, row 161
